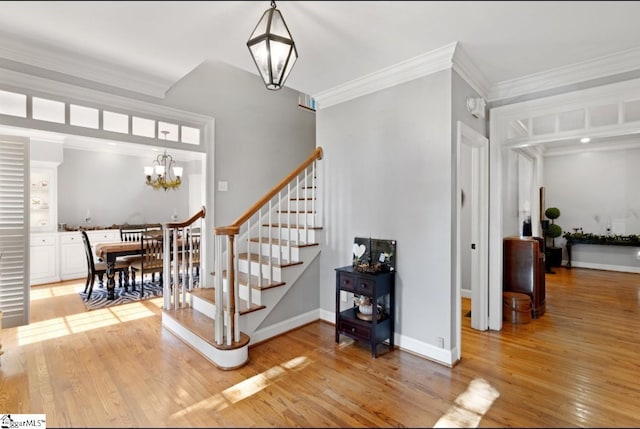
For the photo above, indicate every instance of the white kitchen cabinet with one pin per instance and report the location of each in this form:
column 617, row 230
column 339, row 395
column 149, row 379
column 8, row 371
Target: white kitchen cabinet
column 73, row 262
column 43, row 260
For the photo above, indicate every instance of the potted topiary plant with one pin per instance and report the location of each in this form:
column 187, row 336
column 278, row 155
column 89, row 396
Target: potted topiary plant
column 553, row 231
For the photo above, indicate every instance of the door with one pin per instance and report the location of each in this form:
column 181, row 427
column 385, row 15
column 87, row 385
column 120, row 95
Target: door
column 14, row 231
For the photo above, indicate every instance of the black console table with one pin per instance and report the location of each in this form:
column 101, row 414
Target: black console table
column 379, row 287
column 602, row 240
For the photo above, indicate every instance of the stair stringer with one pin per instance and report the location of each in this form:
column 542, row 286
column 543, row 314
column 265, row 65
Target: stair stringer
column 249, row 322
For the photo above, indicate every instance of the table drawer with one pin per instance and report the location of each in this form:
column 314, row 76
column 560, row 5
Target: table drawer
column 346, row 282
column 364, row 286
column 355, row 329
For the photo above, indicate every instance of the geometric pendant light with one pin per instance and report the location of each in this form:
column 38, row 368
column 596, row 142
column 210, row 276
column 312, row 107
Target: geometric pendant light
column 272, row 48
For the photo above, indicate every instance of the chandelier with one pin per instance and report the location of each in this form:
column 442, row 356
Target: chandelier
column 164, row 175
column 272, row 48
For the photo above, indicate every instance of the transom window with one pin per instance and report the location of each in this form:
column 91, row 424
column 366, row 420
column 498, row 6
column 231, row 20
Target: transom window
column 78, row 115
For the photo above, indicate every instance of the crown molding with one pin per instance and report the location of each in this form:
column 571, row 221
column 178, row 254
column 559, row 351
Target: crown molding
column 450, row 56
column 413, row 68
column 607, row 65
column 463, row 65
column 90, row 69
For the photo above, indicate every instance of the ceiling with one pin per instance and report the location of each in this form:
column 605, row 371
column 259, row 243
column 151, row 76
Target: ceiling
column 150, row 45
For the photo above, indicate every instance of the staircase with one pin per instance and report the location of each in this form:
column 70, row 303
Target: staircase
column 257, row 260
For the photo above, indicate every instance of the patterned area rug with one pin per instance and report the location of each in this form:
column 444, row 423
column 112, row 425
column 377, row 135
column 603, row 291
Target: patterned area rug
column 99, row 295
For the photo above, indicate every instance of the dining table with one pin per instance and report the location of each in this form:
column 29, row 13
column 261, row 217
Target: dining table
column 108, row 252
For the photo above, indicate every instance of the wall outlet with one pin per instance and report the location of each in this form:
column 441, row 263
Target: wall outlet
column 441, row 342
column 223, row 186
column 638, row 255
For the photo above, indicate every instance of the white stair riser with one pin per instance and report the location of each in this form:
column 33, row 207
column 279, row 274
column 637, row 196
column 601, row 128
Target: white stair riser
column 255, row 266
column 264, row 249
column 300, row 204
column 284, row 233
column 295, row 218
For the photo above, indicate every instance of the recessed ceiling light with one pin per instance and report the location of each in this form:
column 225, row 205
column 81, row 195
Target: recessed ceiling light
column 585, row 140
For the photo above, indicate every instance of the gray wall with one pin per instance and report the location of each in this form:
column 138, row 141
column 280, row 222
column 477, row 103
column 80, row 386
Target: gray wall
column 260, row 135
column 112, row 187
column 595, row 191
column 389, row 157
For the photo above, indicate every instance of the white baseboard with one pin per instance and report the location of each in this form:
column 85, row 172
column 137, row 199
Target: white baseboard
column 284, row 326
column 606, row 267
column 411, row 345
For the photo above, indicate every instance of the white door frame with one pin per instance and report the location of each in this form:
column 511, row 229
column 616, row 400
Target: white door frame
column 479, row 146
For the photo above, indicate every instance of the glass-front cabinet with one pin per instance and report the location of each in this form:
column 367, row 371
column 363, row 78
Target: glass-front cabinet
column 43, row 215
column 43, row 198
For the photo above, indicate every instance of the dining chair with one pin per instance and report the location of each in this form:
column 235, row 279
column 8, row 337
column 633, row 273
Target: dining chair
column 99, row 269
column 131, row 233
column 151, row 260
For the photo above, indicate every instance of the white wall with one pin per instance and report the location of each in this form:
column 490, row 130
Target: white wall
column 260, row 135
column 390, row 162
column 112, row 187
column 595, row 191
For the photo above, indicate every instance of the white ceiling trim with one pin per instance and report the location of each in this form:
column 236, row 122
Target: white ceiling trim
column 597, row 147
column 608, row 65
column 90, row 69
column 413, row 68
column 463, row 65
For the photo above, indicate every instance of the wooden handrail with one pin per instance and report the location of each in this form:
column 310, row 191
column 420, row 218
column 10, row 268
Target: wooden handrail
column 235, row 226
column 200, row 214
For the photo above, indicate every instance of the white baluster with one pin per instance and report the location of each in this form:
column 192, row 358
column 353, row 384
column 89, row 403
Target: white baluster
column 219, row 295
column 288, row 221
column 270, row 255
column 249, row 258
column 313, row 195
column 306, row 215
column 280, row 227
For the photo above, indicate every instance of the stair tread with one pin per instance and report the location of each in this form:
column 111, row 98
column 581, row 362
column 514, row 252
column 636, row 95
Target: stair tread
column 209, row 294
column 203, row 326
column 265, row 260
column 279, row 242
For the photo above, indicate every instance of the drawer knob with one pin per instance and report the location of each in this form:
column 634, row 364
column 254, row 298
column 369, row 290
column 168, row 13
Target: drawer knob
column 353, row 329
column 363, row 285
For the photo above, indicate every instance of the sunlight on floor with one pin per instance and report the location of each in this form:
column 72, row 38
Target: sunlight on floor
column 53, row 291
column 470, row 406
column 61, row 326
column 245, row 388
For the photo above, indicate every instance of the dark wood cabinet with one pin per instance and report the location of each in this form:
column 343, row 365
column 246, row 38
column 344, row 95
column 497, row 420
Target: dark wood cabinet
column 374, row 328
column 524, row 270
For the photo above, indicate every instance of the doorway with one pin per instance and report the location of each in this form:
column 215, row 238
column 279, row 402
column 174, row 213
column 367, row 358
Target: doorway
column 472, row 227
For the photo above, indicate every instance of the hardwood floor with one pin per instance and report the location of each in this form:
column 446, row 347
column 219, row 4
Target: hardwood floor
column 576, row 366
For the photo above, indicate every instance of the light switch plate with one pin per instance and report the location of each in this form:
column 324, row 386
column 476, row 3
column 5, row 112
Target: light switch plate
column 222, row 185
